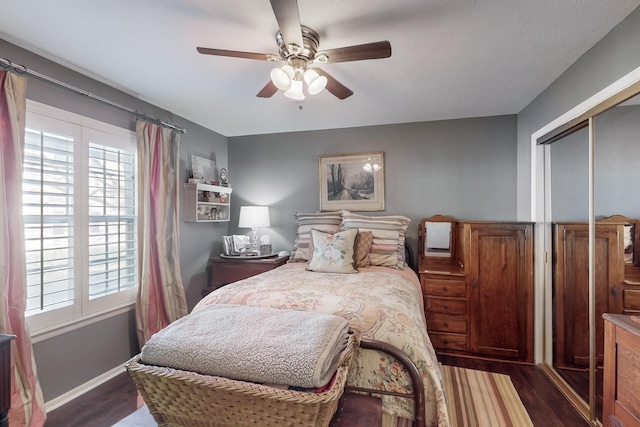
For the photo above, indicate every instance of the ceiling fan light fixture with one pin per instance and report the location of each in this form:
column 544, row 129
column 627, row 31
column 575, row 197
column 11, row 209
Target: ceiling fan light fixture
column 282, row 77
column 315, row 82
column 295, row 91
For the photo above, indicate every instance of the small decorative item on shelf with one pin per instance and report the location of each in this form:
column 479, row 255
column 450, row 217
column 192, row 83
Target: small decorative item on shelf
column 223, row 178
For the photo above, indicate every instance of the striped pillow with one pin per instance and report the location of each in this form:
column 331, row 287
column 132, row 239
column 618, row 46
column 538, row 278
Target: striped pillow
column 328, row 222
column 389, row 233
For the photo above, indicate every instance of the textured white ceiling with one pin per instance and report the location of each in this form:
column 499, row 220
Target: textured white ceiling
column 450, row 58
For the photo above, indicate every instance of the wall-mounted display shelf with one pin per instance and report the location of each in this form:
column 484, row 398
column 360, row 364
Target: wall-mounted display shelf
column 206, row 203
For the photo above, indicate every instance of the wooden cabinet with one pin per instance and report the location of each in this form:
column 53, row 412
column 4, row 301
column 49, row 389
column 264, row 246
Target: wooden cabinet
column 571, row 288
column 499, row 270
column 206, row 203
column 223, row 271
column 481, row 303
column 621, row 400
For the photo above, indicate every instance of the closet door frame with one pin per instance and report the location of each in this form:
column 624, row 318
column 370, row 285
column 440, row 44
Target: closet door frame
column 579, row 117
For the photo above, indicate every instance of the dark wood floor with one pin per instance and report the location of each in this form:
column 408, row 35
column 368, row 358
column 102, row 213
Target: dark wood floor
column 114, row 400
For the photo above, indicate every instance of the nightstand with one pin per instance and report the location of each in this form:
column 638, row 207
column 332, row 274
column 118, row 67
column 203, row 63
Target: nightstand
column 223, row 271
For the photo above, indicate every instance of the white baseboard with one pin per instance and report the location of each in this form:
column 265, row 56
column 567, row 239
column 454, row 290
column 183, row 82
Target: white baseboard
column 83, row 388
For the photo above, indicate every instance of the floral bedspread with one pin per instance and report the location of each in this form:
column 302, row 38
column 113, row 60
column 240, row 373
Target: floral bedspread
column 382, row 303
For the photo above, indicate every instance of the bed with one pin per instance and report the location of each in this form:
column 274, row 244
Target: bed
column 382, row 302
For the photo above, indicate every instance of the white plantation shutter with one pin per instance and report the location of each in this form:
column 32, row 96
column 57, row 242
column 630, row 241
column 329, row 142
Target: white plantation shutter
column 48, row 207
column 112, row 220
column 80, row 213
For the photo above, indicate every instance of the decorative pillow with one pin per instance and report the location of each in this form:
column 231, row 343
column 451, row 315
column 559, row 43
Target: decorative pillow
column 361, row 249
column 333, row 252
column 322, row 221
column 388, row 232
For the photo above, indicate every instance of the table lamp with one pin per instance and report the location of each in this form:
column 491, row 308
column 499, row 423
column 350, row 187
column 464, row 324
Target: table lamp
column 254, row 217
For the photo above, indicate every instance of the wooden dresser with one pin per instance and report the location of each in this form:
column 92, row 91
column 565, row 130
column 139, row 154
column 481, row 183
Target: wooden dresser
column 444, row 288
column 479, row 303
column 621, row 395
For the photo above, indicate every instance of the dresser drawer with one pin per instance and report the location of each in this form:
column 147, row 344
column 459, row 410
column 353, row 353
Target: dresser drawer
column 445, row 305
column 447, row 324
column 445, row 288
column 632, row 299
column 448, row 341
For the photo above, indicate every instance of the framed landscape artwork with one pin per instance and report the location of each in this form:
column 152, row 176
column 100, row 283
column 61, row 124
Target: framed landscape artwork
column 352, row 181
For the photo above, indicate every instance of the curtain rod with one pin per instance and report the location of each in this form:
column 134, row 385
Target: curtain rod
column 21, row 69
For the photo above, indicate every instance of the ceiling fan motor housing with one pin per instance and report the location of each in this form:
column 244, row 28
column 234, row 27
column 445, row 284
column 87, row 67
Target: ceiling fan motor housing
column 290, row 53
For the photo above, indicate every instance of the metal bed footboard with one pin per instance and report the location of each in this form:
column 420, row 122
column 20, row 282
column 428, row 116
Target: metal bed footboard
column 414, row 374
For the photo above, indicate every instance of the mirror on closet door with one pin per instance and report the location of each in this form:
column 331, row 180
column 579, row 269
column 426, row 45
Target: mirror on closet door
column 569, row 201
column 613, row 237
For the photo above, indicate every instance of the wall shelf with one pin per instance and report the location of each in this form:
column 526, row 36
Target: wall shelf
column 206, row 203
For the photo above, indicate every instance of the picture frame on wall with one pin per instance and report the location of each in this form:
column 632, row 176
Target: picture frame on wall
column 203, row 169
column 352, row 181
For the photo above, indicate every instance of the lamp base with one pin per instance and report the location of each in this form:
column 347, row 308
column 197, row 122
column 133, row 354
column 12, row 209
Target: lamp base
column 254, row 241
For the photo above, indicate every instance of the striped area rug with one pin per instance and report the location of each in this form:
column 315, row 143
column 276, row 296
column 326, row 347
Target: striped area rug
column 483, row 399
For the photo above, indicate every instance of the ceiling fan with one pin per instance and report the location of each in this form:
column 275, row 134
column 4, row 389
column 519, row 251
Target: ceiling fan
column 298, row 50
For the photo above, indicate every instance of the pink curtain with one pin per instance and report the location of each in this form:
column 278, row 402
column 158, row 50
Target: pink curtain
column 27, row 403
column 161, row 298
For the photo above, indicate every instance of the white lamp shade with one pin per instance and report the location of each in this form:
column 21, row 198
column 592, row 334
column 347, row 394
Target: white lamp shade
column 315, row 82
column 295, row 91
column 281, row 77
column 254, row 217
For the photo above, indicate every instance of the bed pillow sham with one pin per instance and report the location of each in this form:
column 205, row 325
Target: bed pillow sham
column 361, row 249
column 333, row 252
column 323, row 221
column 387, row 248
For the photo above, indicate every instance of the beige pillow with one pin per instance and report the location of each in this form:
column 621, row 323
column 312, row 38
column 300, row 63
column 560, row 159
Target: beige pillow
column 333, row 252
column 361, row 249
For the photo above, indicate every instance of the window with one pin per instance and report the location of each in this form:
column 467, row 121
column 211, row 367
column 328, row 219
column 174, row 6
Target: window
column 80, row 217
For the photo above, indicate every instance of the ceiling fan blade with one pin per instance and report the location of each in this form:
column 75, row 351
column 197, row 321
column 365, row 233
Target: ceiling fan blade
column 334, row 87
column 267, row 91
column 235, row 54
column 360, row 52
column 288, row 18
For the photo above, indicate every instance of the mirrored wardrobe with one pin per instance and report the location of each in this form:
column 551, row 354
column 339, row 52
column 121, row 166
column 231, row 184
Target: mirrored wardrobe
column 590, row 259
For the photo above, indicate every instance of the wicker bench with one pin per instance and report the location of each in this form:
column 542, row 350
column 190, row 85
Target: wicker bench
column 188, row 399
column 179, row 398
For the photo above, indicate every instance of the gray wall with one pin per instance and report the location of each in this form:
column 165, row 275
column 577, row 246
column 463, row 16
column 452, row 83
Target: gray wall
column 617, row 54
column 463, row 168
column 616, row 172
column 104, row 345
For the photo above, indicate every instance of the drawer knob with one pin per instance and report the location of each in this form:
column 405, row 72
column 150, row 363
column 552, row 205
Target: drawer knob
column 446, row 306
column 446, row 324
column 444, row 288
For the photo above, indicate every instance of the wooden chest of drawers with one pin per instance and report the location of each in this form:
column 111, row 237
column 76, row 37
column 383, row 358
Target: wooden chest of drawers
column 445, row 301
column 479, row 300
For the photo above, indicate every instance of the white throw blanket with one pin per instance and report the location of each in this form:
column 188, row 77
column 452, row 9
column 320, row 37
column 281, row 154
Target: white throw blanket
column 262, row 345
